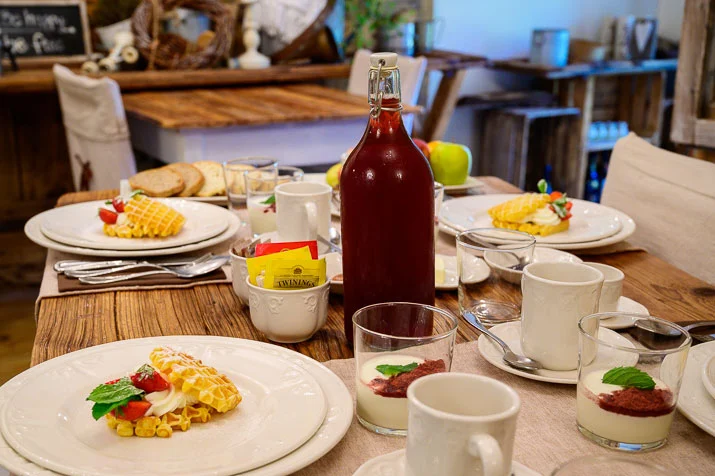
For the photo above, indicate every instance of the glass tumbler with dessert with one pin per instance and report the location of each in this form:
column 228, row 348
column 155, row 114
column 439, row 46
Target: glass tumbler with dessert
column 629, row 403
column 396, row 343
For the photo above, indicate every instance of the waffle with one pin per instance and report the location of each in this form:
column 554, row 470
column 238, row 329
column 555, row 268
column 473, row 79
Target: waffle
column 532, row 228
column 516, row 209
column 163, row 426
column 147, row 218
column 196, row 379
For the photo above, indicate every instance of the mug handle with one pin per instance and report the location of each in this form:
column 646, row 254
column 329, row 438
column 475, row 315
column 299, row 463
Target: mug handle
column 487, row 449
column 311, row 213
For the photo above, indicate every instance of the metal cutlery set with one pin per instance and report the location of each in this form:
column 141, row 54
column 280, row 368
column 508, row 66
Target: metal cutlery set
column 104, row 272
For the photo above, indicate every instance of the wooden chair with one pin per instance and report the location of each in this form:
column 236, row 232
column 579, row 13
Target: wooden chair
column 672, row 200
column 412, row 72
column 96, row 128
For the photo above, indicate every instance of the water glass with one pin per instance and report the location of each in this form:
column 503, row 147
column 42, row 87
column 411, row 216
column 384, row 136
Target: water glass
column 260, row 199
column 490, row 263
column 233, row 172
column 630, row 408
column 395, row 344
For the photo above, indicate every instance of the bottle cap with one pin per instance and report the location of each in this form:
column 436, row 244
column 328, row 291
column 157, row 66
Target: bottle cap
column 390, row 60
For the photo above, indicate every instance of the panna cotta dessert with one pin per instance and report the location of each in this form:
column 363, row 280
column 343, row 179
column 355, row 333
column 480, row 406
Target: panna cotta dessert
column 381, row 387
column 625, row 405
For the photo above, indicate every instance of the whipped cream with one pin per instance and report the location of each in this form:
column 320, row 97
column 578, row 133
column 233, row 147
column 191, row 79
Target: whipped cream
column 168, row 400
column 544, row 216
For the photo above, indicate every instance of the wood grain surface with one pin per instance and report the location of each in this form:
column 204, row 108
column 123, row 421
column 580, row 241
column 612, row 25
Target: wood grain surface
column 70, row 323
column 210, row 108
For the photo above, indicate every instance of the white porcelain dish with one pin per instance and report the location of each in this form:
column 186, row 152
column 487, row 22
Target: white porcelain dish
column 222, row 200
column 501, row 262
column 694, row 401
column 395, row 464
column 510, row 332
column 335, row 425
column 33, row 232
column 629, row 227
column 79, row 225
column 590, row 222
column 708, row 376
column 49, row 422
column 624, row 322
column 470, row 183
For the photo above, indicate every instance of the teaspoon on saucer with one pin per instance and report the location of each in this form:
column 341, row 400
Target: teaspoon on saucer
column 515, row 360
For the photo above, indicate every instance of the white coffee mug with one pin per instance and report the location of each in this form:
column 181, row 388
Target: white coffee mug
column 612, row 287
column 462, row 424
column 303, row 210
column 555, row 297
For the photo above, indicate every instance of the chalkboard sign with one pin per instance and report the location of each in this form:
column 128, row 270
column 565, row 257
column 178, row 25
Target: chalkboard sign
column 45, row 30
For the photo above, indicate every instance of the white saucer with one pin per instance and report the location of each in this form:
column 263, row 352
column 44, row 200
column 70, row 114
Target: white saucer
column 469, row 183
column 693, row 400
column 395, row 464
column 624, row 322
column 708, row 376
column 510, row 332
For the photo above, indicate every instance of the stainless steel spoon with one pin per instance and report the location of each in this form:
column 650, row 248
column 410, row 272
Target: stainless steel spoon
column 517, row 361
column 79, row 265
column 83, row 273
column 521, row 262
column 189, row 271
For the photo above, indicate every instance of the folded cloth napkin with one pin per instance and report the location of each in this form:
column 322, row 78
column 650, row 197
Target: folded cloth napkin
column 546, row 434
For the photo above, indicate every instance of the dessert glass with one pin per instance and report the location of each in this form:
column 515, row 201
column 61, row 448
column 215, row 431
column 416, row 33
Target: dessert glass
column 235, row 183
column 260, row 200
column 411, row 341
column 490, row 263
column 626, row 416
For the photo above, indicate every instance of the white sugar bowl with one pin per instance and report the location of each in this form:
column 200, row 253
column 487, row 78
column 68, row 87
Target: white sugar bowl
column 288, row 315
column 239, row 272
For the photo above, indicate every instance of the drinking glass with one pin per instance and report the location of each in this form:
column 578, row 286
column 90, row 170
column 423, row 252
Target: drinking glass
column 612, row 464
column 260, row 200
column 395, row 343
column 632, row 411
column 490, row 263
column 233, row 171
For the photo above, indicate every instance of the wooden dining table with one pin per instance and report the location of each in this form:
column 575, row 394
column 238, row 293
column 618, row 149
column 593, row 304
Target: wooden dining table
column 69, row 323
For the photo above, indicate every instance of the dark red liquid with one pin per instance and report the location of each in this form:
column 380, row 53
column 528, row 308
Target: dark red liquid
column 387, row 217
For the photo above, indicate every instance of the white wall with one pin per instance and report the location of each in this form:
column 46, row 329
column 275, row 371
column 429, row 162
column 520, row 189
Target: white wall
column 670, row 18
column 501, row 29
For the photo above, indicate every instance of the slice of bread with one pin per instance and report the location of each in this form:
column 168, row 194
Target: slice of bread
column 193, row 178
column 214, row 183
column 160, row 182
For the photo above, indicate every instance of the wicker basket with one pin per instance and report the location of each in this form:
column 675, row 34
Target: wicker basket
column 169, row 51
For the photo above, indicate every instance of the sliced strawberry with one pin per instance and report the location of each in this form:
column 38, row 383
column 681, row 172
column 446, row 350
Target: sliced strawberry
column 108, row 216
column 569, row 205
column 555, row 195
column 149, row 380
column 132, row 410
column 568, row 215
column 112, row 382
column 118, row 204
column 552, row 208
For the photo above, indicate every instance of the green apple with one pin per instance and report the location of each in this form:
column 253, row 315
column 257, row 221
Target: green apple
column 450, row 163
column 332, row 177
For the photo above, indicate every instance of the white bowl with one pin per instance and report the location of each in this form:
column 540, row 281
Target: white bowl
column 239, row 273
column 288, row 315
column 501, row 262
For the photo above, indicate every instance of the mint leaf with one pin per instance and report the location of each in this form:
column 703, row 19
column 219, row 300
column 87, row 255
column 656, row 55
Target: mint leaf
column 145, row 372
column 629, row 377
column 101, row 409
column 542, row 185
column 269, row 201
column 392, row 370
column 115, row 392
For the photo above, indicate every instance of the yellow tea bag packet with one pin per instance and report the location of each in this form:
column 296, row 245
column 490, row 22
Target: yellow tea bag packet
column 295, row 273
column 257, row 266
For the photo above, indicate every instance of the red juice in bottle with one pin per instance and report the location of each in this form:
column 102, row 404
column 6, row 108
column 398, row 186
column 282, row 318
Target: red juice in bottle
column 387, row 211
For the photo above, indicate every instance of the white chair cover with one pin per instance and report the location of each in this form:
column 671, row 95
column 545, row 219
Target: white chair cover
column 672, row 200
column 412, row 72
column 97, row 131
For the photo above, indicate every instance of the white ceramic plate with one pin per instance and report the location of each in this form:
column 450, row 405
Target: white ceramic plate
column 510, row 332
column 470, row 183
column 48, row 421
column 624, row 322
column 694, row 401
column 33, row 232
column 125, row 189
column 79, row 225
column 629, row 227
column 395, row 464
column 590, row 221
column 335, row 425
column 708, row 376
